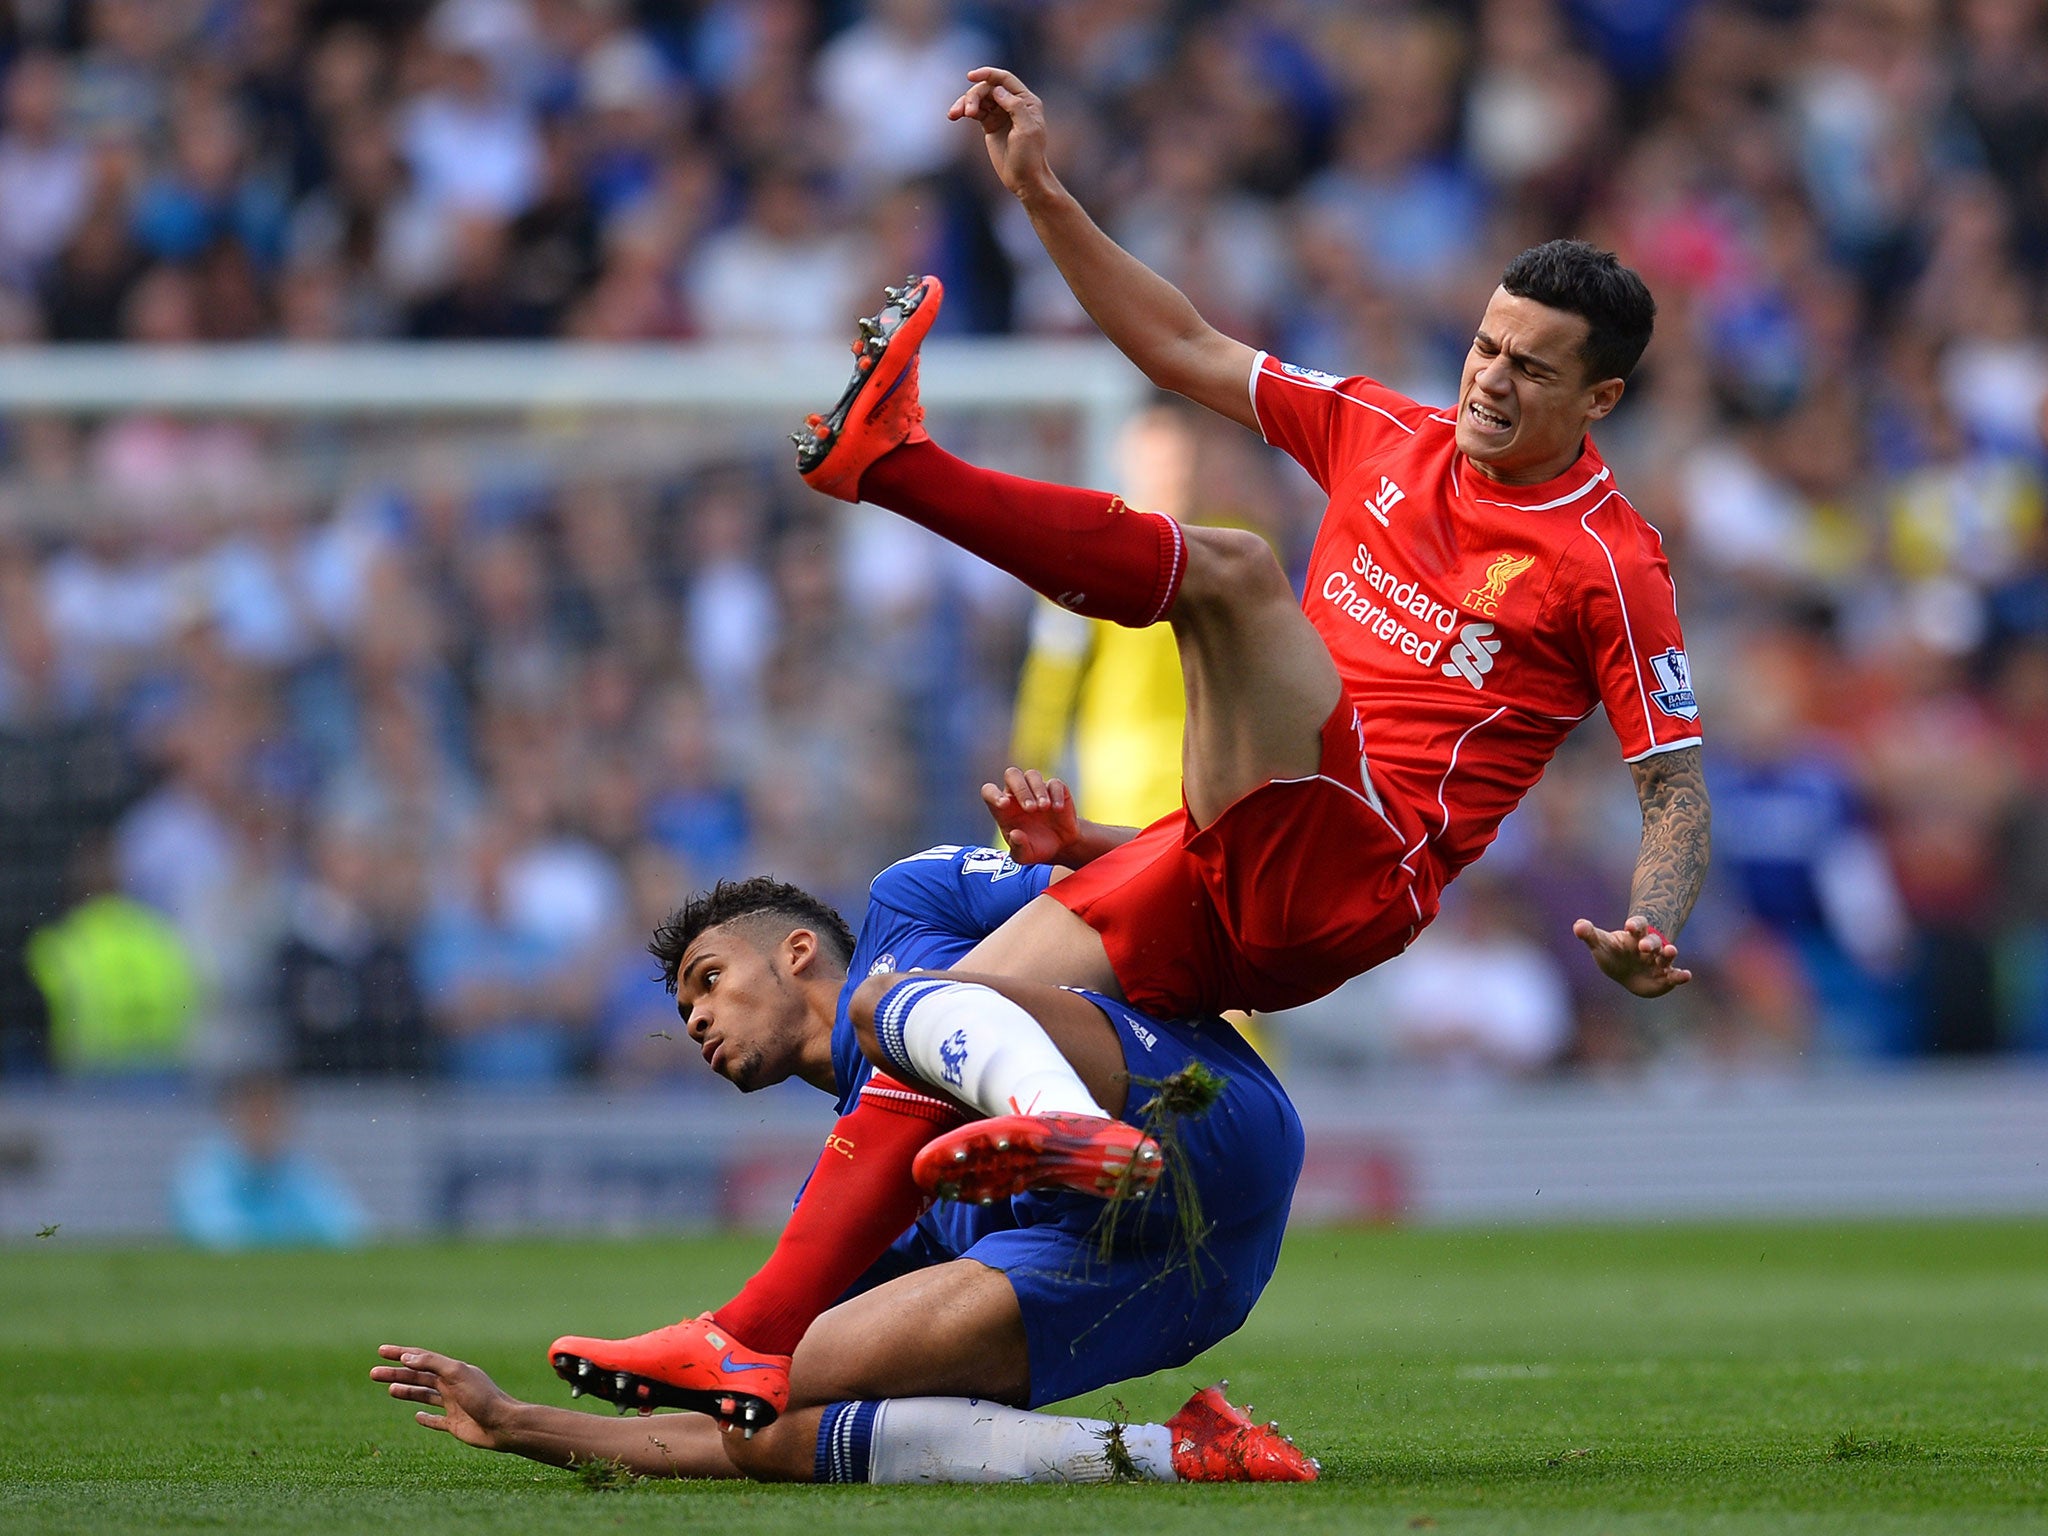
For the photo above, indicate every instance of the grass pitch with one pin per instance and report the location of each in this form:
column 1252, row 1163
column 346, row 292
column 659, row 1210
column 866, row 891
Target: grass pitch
column 1757, row 1378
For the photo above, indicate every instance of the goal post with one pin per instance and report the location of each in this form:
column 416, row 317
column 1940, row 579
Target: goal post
column 1086, row 378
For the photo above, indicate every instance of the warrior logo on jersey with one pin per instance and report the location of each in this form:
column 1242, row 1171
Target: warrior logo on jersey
column 1485, row 599
column 1389, row 496
column 1313, row 375
column 1675, row 697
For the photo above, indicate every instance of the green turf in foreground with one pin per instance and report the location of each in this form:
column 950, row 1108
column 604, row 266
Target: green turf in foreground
column 1760, row 1378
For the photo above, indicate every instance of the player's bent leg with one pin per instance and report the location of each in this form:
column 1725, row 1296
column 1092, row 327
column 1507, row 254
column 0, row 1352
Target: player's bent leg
column 858, row 1200
column 953, row 1330
column 1083, row 549
column 1045, row 942
column 1087, row 1047
column 1260, row 681
column 1011, row 1049
column 969, row 1042
column 926, row 1377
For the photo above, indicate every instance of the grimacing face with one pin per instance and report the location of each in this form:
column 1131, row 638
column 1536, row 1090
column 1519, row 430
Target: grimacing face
column 742, row 1005
column 1524, row 402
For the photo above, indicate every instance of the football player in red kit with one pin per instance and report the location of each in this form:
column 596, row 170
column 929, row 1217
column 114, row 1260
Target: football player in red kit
column 1478, row 587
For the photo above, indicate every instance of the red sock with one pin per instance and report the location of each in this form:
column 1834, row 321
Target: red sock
column 1083, row 549
column 859, row 1200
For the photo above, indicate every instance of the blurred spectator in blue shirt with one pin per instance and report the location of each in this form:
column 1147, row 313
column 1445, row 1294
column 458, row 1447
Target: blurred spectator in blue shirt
column 1411, row 212
column 694, row 810
column 206, row 193
column 247, row 1186
column 1795, row 844
column 504, row 962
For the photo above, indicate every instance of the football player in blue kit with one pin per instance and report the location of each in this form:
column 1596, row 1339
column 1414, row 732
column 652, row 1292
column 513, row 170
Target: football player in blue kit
column 978, row 1311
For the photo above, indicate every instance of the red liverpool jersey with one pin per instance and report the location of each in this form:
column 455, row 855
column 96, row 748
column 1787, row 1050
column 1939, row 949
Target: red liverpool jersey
column 1474, row 623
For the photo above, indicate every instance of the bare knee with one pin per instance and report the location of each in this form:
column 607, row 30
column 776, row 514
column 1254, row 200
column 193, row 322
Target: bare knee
column 1232, row 566
column 867, row 997
column 831, row 1365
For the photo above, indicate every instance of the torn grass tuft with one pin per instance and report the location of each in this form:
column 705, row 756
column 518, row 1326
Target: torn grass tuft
column 605, row 1474
column 1116, row 1455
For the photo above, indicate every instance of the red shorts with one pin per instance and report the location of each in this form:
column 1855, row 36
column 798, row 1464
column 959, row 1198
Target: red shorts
column 1295, row 888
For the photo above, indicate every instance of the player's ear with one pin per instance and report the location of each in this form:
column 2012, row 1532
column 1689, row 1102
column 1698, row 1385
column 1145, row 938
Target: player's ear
column 1603, row 397
column 800, row 950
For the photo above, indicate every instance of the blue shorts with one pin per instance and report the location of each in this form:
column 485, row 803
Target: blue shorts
column 1091, row 1319
column 1150, row 1303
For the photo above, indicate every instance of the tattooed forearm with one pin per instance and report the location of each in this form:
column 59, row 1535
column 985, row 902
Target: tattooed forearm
column 1677, row 838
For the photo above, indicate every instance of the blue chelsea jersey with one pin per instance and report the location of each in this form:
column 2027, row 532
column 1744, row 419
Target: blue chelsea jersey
column 924, row 913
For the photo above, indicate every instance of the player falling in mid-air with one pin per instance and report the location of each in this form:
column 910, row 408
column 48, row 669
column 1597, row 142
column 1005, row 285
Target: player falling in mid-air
column 1019, row 1301
column 1478, row 587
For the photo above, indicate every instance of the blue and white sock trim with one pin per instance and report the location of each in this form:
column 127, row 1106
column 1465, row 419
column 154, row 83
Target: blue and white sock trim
column 845, row 1435
column 893, row 1012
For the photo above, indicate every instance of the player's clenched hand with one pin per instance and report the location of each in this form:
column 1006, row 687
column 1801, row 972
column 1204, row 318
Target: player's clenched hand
column 1035, row 814
column 1635, row 955
column 475, row 1409
column 1012, row 124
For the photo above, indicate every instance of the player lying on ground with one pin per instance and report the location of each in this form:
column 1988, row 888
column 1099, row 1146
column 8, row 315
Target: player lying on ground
column 1020, row 1300
column 894, row 1440
column 1478, row 587
column 858, row 1202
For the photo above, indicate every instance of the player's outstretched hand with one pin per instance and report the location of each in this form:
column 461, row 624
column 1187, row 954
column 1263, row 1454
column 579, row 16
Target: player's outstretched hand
column 1036, row 816
column 1635, row 955
column 1012, row 124
column 475, row 1409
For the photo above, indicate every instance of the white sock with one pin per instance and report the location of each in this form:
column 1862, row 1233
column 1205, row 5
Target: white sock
column 980, row 1046
column 965, row 1440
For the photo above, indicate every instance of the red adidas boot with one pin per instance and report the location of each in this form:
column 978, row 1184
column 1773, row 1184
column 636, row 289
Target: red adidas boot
column 1216, row 1443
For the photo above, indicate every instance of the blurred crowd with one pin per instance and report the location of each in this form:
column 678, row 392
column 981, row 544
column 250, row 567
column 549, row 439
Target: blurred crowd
column 396, row 780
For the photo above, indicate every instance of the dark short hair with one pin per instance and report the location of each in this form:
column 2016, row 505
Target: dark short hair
column 1586, row 281
column 734, row 901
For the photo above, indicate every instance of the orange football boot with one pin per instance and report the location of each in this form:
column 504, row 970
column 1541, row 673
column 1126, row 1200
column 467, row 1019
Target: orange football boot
column 694, row 1364
column 880, row 410
column 989, row 1160
column 1216, row 1443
